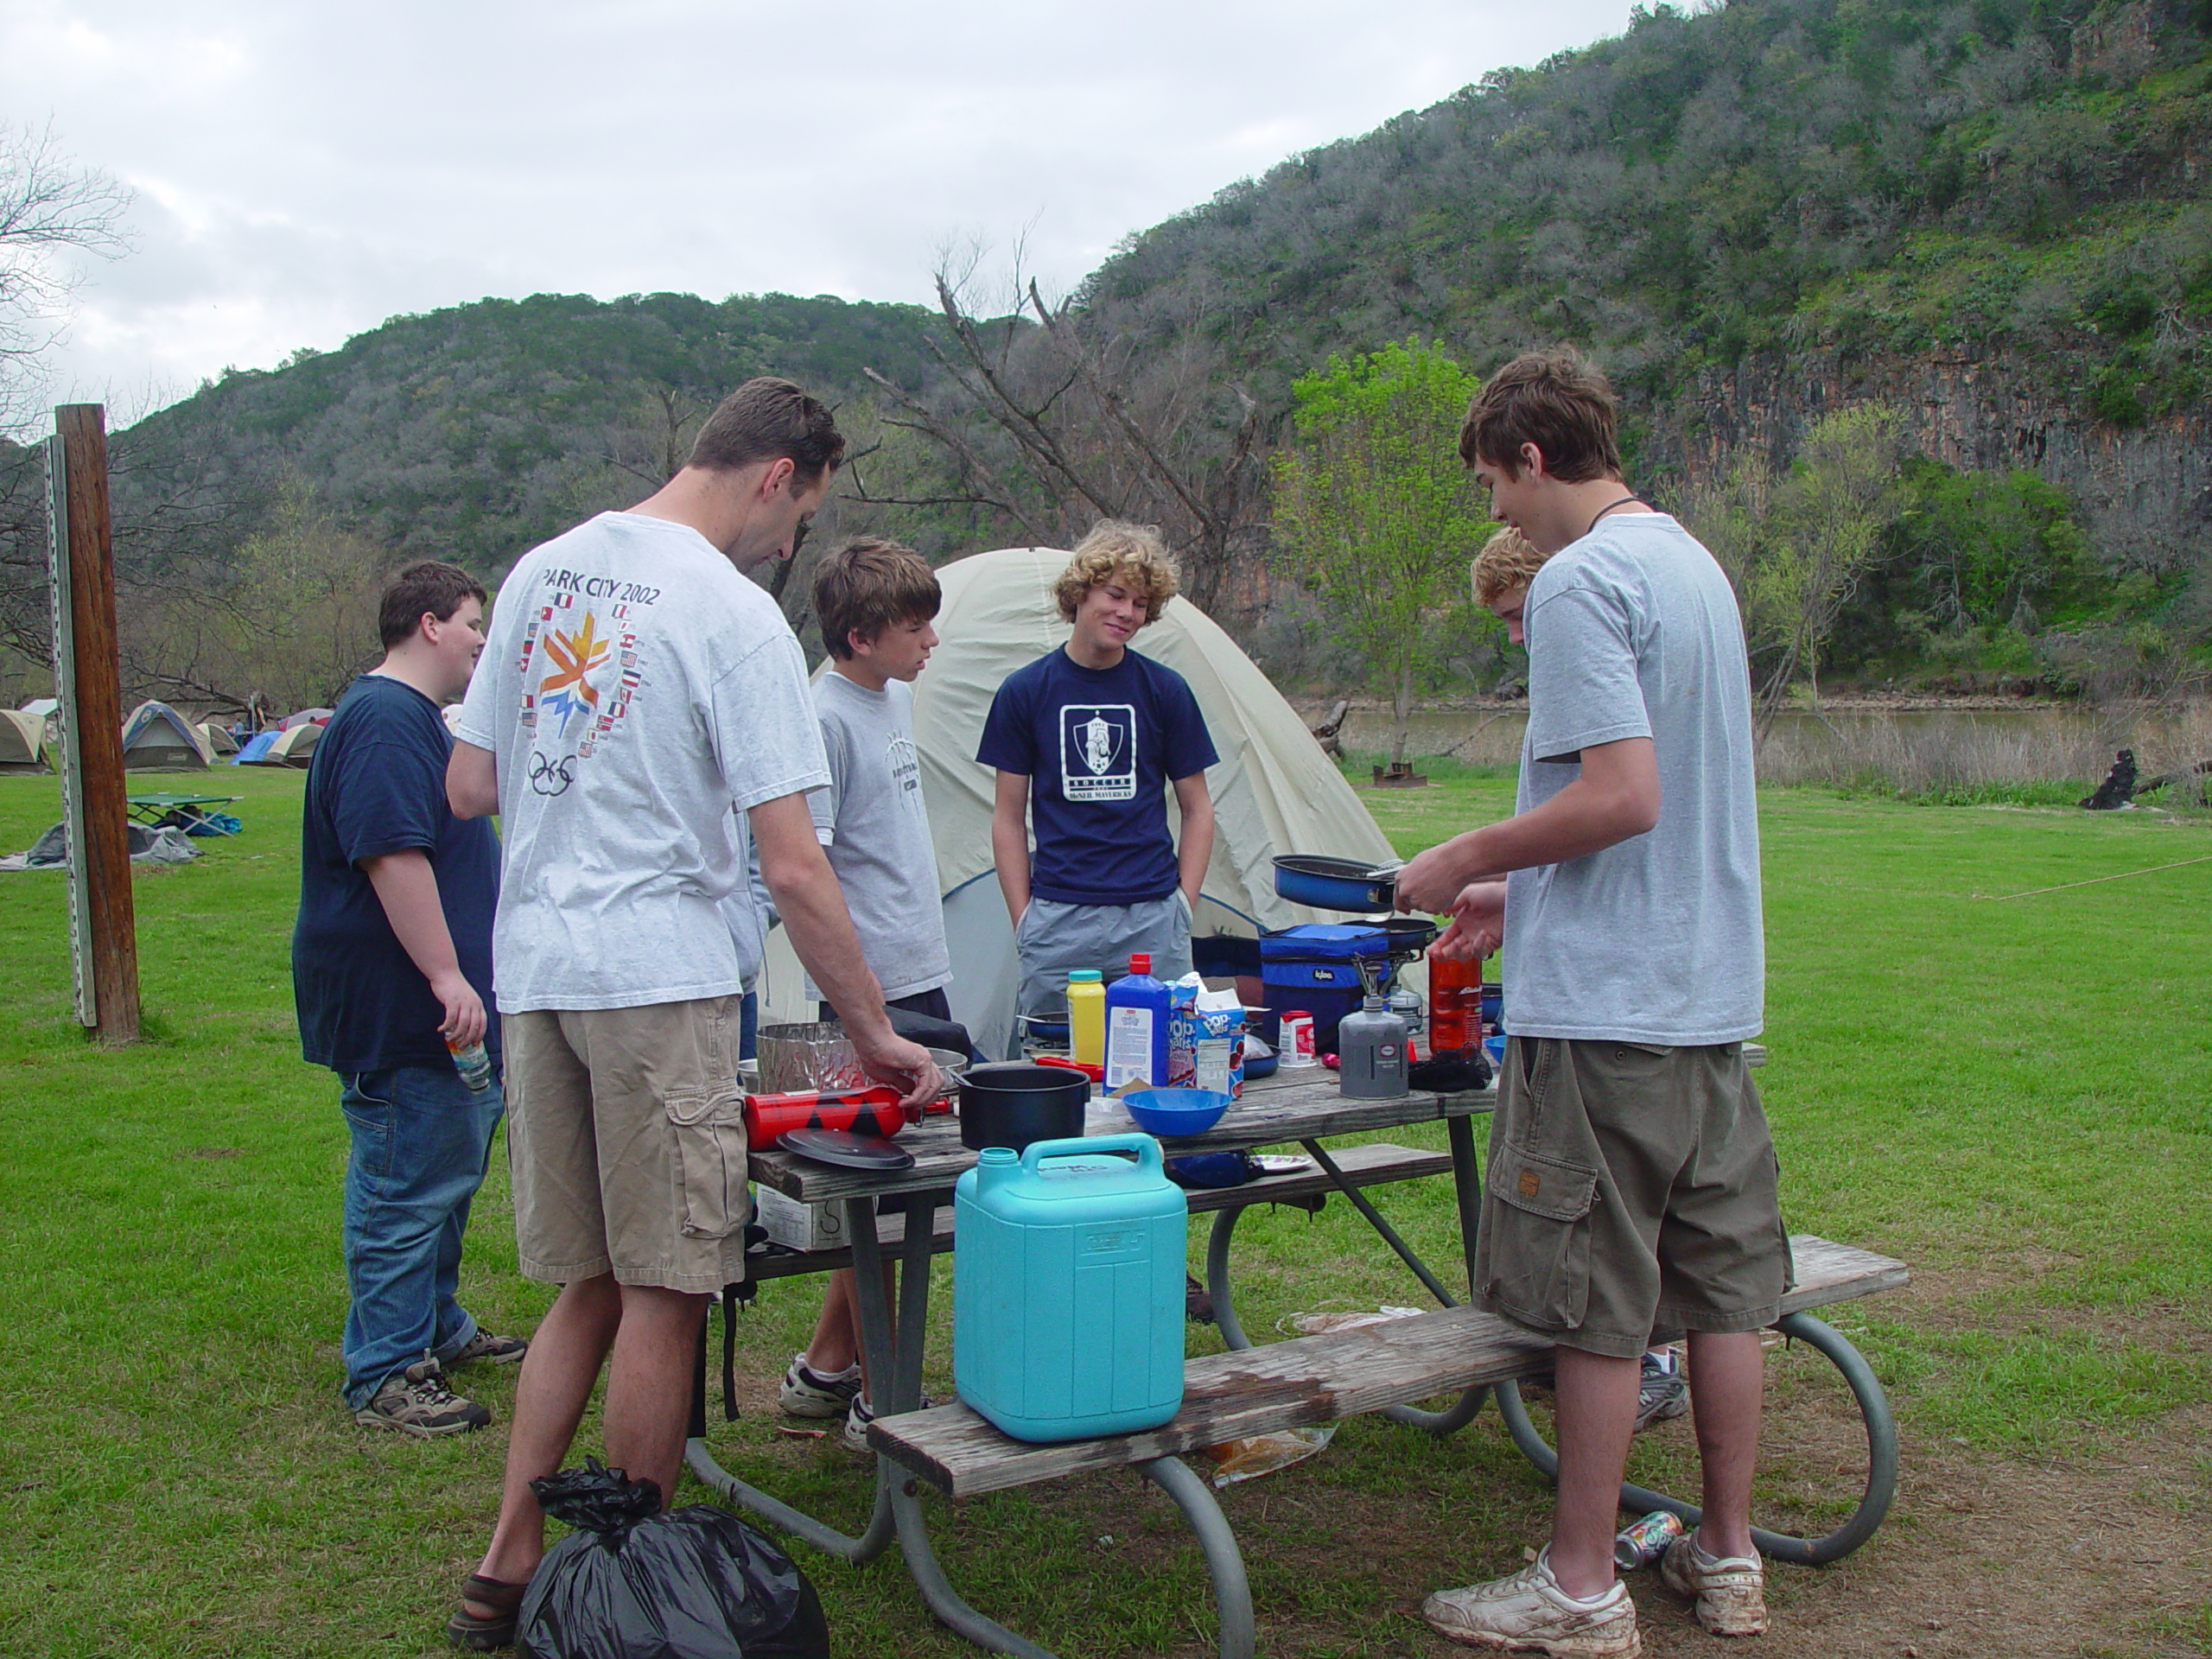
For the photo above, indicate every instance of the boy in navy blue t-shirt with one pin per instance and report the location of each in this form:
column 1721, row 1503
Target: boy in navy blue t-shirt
column 1086, row 740
column 392, row 957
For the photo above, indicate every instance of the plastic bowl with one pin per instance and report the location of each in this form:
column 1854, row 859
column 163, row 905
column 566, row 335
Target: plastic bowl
column 1171, row 1114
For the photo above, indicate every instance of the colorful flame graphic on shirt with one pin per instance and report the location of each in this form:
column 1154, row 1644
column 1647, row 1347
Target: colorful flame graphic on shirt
column 566, row 691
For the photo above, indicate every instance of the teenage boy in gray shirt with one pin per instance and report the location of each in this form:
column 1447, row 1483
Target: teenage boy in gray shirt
column 1632, row 1187
column 876, row 600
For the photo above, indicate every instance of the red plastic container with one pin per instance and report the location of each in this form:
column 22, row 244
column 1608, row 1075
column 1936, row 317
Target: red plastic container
column 769, row 1118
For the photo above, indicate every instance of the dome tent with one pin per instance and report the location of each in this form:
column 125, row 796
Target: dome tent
column 23, row 741
column 1274, row 791
column 158, row 738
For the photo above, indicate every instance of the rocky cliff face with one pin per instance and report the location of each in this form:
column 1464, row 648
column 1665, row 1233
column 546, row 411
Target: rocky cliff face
column 2144, row 492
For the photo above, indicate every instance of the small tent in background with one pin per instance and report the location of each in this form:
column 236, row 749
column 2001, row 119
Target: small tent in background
column 293, row 747
column 158, row 738
column 256, row 750
column 1274, row 791
column 23, row 741
column 318, row 715
column 218, row 739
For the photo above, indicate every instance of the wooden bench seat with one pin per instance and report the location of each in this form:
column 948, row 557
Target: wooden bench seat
column 1373, row 1165
column 1304, row 1381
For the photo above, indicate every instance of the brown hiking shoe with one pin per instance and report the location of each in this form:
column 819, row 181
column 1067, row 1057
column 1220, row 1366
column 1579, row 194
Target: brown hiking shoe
column 1730, row 1591
column 418, row 1402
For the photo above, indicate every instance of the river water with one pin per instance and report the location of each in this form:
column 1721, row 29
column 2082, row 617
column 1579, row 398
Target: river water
column 2034, row 740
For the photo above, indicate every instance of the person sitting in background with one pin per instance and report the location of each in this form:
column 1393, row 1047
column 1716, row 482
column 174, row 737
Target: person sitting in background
column 1088, row 738
column 392, row 965
column 876, row 600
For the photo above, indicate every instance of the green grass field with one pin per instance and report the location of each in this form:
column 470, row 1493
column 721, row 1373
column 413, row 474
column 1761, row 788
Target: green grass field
column 2009, row 1093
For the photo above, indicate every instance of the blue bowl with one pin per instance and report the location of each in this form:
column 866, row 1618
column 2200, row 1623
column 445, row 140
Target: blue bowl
column 1171, row 1114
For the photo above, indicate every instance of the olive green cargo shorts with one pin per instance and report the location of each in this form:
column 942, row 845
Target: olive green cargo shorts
column 1631, row 1196
column 626, row 1141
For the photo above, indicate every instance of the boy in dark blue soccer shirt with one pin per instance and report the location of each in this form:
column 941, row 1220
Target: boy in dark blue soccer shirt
column 1087, row 739
column 391, row 956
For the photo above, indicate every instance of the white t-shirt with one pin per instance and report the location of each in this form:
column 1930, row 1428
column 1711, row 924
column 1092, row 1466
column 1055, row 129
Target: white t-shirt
column 634, row 691
column 872, row 821
column 1633, row 631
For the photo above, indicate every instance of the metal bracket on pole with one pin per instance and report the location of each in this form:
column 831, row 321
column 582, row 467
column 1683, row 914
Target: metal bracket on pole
column 72, row 765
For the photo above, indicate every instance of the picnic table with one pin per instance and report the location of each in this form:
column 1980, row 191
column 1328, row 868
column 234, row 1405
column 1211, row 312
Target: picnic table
column 1386, row 1369
column 152, row 809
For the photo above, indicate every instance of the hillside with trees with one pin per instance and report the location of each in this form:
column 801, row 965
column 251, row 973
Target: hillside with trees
column 1984, row 225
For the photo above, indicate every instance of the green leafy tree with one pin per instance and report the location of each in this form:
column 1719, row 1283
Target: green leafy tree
column 1373, row 510
column 1823, row 530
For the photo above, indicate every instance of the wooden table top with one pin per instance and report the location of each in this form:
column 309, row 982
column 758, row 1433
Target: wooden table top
column 1296, row 1104
column 1301, row 1104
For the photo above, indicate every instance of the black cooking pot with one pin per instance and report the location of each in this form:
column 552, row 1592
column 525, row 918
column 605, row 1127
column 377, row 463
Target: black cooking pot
column 1013, row 1103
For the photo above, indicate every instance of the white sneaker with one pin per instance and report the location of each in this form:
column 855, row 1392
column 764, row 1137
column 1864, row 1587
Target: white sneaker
column 1527, row 1612
column 805, row 1392
column 1730, row 1591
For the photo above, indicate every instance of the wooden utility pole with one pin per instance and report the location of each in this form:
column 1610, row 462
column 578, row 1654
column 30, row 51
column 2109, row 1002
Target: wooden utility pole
column 88, row 675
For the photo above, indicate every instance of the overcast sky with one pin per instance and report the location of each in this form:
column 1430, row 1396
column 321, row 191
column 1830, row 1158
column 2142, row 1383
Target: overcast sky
column 303, row 171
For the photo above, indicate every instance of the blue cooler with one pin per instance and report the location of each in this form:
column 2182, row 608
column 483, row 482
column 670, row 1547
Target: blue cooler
column 1314, row 967
column 1067, row 1288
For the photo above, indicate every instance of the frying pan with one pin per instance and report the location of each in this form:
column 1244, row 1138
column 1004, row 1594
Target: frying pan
column 1336, row 883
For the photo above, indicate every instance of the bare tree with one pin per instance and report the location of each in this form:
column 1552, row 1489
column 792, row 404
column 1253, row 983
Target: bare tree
column 1054, row 416
column 49, row 209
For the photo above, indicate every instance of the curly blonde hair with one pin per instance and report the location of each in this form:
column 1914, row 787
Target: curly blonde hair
column 1133, row 555
column 1506, row 562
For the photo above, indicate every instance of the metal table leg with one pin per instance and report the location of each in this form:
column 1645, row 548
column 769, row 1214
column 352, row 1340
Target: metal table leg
column 1881, row 1454
column 1467, row 1191
column 875, row 1334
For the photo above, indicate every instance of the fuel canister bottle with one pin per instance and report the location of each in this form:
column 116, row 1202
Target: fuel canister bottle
column 1372, row 1053
column 1086, row 1017
column 1136, row 1026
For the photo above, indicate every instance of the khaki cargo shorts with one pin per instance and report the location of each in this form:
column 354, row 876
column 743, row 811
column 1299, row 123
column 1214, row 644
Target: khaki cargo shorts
column 1631, row 1196
column 626, row 1139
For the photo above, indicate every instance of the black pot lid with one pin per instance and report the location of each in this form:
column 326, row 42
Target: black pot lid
column 847, row 1150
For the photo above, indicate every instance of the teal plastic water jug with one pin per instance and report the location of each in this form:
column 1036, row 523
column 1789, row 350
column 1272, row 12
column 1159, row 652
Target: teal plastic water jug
column 1067, row 1288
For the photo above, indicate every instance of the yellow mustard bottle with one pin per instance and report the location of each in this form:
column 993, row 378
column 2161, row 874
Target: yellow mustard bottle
column 1086, row 1017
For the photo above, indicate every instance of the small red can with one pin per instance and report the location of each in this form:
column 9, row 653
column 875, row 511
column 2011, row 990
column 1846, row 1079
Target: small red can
column 1297, row 1037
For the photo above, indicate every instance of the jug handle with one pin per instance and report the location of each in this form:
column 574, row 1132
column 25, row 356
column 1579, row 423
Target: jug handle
column 1146, row 1147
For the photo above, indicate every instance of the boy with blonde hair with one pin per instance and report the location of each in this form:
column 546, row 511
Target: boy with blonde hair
column 1087, row 739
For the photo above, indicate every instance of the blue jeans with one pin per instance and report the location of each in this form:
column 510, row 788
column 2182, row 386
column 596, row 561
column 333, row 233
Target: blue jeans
column 421, row 1141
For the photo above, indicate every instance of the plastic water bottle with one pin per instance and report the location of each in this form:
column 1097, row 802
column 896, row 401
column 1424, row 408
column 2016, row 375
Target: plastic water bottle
column 1136, row 1026
column 474, row 1063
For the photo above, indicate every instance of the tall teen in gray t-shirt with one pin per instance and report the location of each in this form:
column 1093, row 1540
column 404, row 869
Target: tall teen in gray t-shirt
column 1632, row 632
column 873, row 822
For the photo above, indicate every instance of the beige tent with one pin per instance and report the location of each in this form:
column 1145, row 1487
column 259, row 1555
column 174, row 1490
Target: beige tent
column 217, row 738
column 158, row 738
column 292, row 748
column 23, row 741
column 1274, row 791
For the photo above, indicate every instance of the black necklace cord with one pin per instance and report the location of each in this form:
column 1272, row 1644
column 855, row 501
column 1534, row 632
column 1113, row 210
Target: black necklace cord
column 1610, row 505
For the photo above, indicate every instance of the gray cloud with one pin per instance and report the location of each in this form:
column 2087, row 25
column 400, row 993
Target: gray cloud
column 304, row 172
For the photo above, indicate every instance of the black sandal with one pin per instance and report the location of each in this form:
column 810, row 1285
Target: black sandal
column 478, row 1634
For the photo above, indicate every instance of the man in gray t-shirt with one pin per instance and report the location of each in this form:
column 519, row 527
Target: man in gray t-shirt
column 1631, row 1194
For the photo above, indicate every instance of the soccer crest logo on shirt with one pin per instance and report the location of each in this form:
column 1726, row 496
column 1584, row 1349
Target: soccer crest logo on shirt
column 1098, row 752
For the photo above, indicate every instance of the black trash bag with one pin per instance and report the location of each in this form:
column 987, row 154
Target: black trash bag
column 1454, row 1071
column 2118, row 788
column 630, row 1583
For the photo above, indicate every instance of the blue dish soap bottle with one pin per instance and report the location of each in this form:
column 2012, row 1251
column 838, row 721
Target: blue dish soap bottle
column 1136, row 1026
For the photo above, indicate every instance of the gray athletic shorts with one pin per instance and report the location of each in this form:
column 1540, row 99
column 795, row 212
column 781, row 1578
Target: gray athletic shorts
column 1054, row 937
column 1631, row 1196
column 626, row 1139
